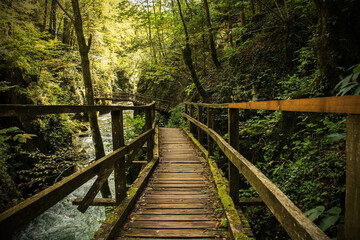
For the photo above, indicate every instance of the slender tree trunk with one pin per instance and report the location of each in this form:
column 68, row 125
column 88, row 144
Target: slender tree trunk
column 66, row 37
column 252, row 6
column 210, row 33
column 188, row 59
column 53, row 19
column 149, row 28
column 157, row 28
column 242, row 14
column 89, row 94
column 45, row 15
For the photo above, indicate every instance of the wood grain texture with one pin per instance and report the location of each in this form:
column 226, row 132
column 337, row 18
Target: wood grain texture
column 177, row 202
column 344, row 104
column 296, row 224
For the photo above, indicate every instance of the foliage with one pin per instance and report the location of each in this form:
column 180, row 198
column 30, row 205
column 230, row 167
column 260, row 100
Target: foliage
column 176, row 119
column 350, row 84
column 133, row 126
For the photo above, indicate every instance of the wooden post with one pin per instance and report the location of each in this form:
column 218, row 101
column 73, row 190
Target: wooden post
column 352, row 197
column 199, row 131
column 192, row 127
column 211, row 125
column 234, row 176
column 148, row 125
column 119, row 165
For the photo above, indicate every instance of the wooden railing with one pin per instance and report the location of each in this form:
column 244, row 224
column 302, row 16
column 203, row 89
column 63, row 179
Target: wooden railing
column 160, row 104
column 297, row 225
column 27, row 210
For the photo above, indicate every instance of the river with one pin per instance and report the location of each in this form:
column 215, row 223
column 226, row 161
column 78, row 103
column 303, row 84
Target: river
column 63, row 221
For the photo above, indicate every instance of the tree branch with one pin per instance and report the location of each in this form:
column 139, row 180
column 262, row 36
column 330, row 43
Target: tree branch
column 89, row 42
column 271, row 10
column 66, row 12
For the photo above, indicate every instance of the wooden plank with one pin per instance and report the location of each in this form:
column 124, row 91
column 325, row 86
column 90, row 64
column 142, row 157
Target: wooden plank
column 164, row 193
column 176, row 211
column 112, row 223
column 199, row 118
column 176, row 196
column 297, row 225
column 32, row 207
column 173, row 206
column 210, row 124
column 119, row 166
column 12, row 110
column 107, row 202
column 95, row 188
column 234, row 176
column 179, row 200
column 352, row 197
column 173, row 217
column 344, row 104
column 178, row 185
column 208, row 225
column 208, row 105
column 172, row 233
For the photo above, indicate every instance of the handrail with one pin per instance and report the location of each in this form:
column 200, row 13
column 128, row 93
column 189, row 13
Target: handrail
column 11, row 110
column 343, row 104
column 292, row 219
column 32, row 207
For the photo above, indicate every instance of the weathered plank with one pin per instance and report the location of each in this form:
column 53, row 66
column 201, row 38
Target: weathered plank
column 172, row 233
column 297, row 225
column 12, row 110
column 344, row 104
column 234, row 176
column 352, row 198
column 119, row 166
column 176, row 211
column 97, row 202
column 208, row 225
column 208, row 105
column 116, row 218
column 186, row 217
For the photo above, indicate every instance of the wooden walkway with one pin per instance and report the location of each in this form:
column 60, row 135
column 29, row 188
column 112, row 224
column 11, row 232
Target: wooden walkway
column 179, row 201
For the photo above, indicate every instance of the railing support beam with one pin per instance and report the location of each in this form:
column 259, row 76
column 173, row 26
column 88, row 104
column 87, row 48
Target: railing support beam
column 234, row 176
column 119, row 165
column 352, row 198
column 149, row 116
column 211, row 125
column 192, row 126
column 199, row 131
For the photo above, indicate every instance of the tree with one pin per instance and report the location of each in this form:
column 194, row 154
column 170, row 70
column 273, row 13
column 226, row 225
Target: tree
column 188, row 58
column 89, row 94
column 210, row 33
column 53, row 19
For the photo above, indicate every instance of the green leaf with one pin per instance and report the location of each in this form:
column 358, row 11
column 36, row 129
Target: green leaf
column 7, row 130
column 328, row 222
column 314, row 213
column 331, row 138
column 334, row 211
column 356, row 69
column 357, row 91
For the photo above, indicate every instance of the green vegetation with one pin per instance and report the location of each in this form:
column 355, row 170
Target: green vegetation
column 185, row 50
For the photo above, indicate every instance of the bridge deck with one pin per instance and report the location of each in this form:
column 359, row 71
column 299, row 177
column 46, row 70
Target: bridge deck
column 179, row 201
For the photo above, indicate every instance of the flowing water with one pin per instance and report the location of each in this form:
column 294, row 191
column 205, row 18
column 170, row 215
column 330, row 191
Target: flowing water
column 63, row 221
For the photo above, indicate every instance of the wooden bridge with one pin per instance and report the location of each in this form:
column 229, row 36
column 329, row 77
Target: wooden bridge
column 180, row 193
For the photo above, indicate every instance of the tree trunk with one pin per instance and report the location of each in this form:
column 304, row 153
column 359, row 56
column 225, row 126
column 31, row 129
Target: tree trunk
column 89, row 95
column 188, row 58
column 66, row 37
column 45, row 15
column 242, row 14
column 150, row 37
column 210, row 33
column 53, row 19
column 338, row 37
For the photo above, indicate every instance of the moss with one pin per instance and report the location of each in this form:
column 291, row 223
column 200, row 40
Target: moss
column 222, row 190
column 132, row 192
